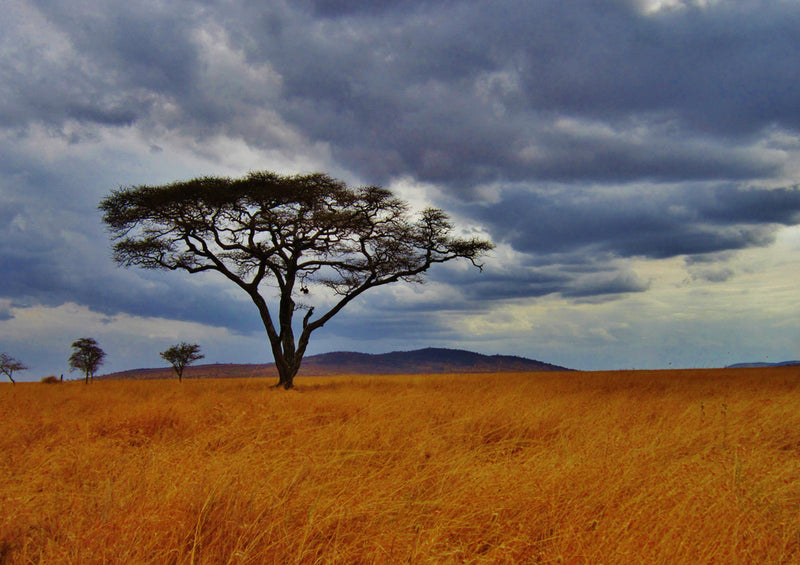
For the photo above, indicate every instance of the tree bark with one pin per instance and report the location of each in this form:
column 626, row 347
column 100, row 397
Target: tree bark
column 287, row 371
column 285, row 382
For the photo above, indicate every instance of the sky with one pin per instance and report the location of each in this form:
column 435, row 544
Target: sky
column 636, row 163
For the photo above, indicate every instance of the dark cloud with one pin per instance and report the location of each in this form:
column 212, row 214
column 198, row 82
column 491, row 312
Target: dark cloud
column 509, row 283
column 712, row 274
column 606, row 284
column 111, row 63
column 455, row 93
column 653, row 222
column 591, row 279
column 750, row 206
column 53, row 250
column 341, row 8
column 721, row 67
column 54, row 276
column 711, row 267
column 462, row 93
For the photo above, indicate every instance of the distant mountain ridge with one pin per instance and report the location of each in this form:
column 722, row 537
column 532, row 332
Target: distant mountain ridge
column 430, row 360
column 758, row 364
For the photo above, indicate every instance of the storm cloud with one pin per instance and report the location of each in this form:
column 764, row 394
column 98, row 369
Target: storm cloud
column 590, row 140
column 653, row 222
column 455, row 93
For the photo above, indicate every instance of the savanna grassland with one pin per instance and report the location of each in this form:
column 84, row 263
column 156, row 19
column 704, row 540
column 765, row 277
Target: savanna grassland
column 614, row 467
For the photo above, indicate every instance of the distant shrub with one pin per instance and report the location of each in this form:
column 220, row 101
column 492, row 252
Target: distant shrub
column 51, row 380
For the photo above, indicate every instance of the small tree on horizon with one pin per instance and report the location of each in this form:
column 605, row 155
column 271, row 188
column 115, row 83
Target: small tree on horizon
column 181, row 356
column 296, row 234
column 8, row 365
column 86, row 357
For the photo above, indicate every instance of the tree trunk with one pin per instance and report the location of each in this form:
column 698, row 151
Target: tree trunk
column 287, row 371
column 286, row 356
column 286, row 378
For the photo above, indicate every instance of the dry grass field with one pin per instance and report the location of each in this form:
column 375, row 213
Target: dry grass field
column 619, row 467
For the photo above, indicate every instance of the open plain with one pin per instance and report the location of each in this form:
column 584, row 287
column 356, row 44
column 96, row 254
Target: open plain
column 691, row 466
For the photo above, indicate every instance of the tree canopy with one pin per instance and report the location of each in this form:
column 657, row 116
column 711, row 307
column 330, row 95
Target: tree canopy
column 8, row 365
column 299, row 233
column 86, row 357
column 181, row 356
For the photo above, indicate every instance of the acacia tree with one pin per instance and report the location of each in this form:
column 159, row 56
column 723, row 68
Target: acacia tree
column 8, row 365
column 182, row 355
column 293, row 233
column 86, row 357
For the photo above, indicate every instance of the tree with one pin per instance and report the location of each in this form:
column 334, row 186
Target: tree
column 86, row 357
column 8, row 365
column 182, row 355
column 294, row 233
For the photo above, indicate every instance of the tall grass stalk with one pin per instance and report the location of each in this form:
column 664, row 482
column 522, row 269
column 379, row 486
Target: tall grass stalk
column 614, row 467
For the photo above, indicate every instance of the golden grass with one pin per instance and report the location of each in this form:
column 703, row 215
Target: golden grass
column 613, row 467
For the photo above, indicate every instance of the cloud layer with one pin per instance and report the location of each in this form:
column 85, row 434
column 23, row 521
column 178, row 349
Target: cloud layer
column 596, row 142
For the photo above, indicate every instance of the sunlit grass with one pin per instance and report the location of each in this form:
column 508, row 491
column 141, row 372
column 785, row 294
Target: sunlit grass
column 620, row 467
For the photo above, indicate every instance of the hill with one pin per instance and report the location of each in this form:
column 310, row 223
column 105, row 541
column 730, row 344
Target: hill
column 759, row 365
column 430, row 360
